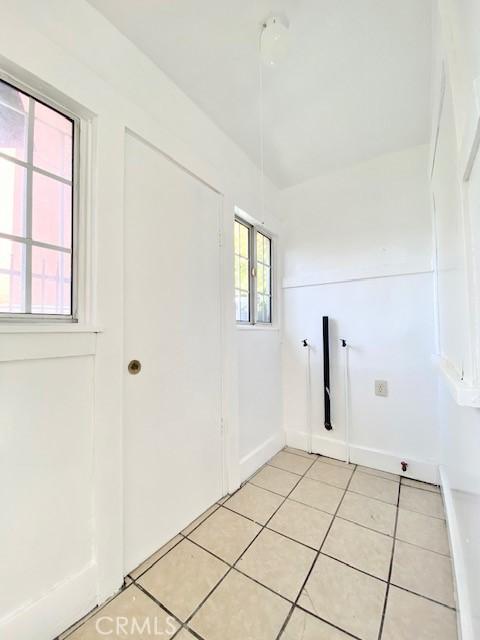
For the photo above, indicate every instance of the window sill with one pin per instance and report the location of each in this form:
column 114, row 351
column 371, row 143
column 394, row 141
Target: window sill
column 257, row 327
column 464, row 394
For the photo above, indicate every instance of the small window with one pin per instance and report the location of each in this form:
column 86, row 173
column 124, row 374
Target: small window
column 36, row 207
column 253, row 274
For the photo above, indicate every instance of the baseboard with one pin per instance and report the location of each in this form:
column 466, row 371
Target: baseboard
column 254, row 460
column 326, row 446
column 375, row 458
column 464, row 618
column 387, row 461
column 58, row 609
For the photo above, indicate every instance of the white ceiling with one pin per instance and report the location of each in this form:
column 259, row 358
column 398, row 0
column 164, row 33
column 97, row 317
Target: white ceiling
column 356, row 82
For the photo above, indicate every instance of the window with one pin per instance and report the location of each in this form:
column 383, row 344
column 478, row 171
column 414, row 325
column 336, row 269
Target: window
column 36, row 207
column 253, row 274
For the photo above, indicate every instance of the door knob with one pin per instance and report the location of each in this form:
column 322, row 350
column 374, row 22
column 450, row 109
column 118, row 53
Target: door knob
column 134, row 367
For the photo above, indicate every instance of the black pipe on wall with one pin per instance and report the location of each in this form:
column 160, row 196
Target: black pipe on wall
column 326, row 374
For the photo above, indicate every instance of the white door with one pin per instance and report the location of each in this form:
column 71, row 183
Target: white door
column 173, row 443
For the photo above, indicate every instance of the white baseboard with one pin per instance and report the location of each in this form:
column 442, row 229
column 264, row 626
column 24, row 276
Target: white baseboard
column 387, row 461
column 256, row 458
column 57, row 610
column 464, row 618
column 326, row 446
column 375, row 458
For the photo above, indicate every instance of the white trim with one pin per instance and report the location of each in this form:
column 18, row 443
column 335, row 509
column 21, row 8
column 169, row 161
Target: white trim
column 464, row 394
column 54, row 611
column 423, row 470
column 464, row 617
column 471, row 138
column 61, row 327
column 375, row 458
column 257, row 327
column 256, row 458
column 336, row 276
column 35, row 345
column 330, row 447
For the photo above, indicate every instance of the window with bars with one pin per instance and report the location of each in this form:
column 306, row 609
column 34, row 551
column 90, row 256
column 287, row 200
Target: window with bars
column 36, row 207
column 253, row 274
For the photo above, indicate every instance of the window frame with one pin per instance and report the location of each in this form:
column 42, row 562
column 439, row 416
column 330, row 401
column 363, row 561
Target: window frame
column 253, row 229
column 38, row 318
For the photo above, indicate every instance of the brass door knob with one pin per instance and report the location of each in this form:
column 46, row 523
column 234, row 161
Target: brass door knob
column 134, row 367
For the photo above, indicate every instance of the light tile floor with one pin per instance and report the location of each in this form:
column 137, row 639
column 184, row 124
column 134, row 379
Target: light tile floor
column 309, row 548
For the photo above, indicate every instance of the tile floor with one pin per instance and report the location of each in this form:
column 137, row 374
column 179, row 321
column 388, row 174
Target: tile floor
column 309, row 549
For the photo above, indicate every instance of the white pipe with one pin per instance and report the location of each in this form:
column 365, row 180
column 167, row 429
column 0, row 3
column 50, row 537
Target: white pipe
column 346, row 385
column 308, row 399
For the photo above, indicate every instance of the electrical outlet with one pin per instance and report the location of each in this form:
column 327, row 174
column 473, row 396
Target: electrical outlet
column 381, row 388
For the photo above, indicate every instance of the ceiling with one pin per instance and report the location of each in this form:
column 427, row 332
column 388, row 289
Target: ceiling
column 355, row 84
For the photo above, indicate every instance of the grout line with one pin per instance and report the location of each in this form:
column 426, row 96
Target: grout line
column 280, row 533
column 184, row 625
column 284, row 535
column 318, row 552
column 432, row 493
column 365, row 495
column 294, row 453
column 351, row 566
column 161, row 605
column 350, row 635
column 233, row 567
column 381, row 533
column 420, row 595
column 214, row 510
column 427, row 515
column 191, row 631
column 269, row 464
column 403, row 480
column 387, row 591
column 154, row 563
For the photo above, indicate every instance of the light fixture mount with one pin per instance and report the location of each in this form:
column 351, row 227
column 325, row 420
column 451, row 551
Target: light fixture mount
column 274, row 40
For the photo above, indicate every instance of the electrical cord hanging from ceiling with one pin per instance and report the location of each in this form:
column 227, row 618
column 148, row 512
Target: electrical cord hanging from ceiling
column 261, row 128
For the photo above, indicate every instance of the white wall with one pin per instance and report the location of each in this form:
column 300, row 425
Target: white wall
column 457, row 244
column 260, row 396
column 260, row 368
column 46, row 473
column 358, row 249
column 114, row 88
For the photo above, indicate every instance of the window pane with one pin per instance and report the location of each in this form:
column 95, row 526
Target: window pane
column 244, row 248
column 51, row 211
column 263, row 308
column 13, row 121
column 242, row 271
column 51, row 281
column 52, row 141
column 264, row 278
column 13, row 180
column 244, row 308
column 260, row 279
column 236, row 237
column 12, row 276
column 259, row 247
column 267, row 279
column 244, row 275
column 263, row 248
column 267, row 244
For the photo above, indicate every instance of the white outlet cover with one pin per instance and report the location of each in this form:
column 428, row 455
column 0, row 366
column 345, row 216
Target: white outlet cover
column 381, row 388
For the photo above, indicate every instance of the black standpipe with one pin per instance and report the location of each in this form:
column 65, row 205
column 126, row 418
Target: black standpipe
column 326, row 374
